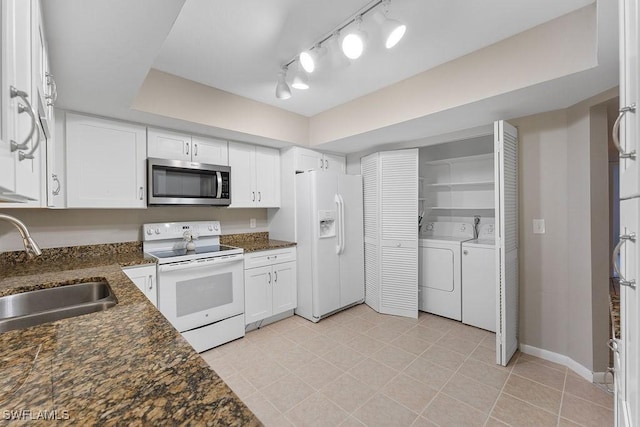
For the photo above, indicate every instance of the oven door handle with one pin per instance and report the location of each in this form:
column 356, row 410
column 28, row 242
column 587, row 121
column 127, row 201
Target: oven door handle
column 200, row 263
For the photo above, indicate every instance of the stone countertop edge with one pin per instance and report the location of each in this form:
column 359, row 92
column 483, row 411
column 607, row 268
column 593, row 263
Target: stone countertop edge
column 124, row 365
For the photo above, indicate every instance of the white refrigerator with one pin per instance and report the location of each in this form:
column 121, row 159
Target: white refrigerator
column 330, row 245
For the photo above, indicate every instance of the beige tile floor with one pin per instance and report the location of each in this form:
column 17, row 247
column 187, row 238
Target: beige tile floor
column 359, row 367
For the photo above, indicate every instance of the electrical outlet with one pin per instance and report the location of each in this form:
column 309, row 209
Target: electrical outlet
column 538, row 226
column 252, row 223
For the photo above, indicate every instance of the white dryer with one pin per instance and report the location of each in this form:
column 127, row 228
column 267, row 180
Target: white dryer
column 439, row 272
column 479, row 280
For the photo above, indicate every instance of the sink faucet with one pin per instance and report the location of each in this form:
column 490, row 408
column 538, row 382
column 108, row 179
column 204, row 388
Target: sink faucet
column 30, row 246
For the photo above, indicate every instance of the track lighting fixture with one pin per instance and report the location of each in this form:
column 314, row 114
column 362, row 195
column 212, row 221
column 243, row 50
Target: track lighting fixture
column 282, row 88
column 392, row 30
column 353, row 42
column 352, row 45
column 300, row 79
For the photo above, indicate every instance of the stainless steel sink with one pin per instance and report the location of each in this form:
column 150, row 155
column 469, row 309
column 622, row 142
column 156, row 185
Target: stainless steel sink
column 46, row 305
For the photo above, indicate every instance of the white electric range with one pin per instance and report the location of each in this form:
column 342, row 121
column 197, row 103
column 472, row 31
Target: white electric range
column 200, row 282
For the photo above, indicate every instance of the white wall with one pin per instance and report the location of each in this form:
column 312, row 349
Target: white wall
column 73, row 227
column 564, row 273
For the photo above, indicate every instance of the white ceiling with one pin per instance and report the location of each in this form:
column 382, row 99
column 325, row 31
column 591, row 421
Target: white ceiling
column 102, row 50
column 239, row 46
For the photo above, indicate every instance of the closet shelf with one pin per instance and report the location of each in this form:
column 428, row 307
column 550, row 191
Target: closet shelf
column 459, row 159
column 472, row 184
column 456, row 208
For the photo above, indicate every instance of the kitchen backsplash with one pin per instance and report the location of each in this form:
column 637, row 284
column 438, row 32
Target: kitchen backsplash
column 73, row 227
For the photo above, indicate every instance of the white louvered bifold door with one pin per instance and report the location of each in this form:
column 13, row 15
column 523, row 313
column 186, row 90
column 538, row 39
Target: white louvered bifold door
column 399, row 232
column 506, row 193
column 370, row 183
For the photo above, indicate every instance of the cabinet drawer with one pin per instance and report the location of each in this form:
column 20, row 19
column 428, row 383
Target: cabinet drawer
column 270, row 257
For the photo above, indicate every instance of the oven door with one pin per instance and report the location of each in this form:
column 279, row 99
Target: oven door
column 196, row 293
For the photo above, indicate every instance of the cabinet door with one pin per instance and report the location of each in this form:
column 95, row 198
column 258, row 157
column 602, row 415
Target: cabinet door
column 145, row 279
column 333, row 163
column 211, row 151
column 168, row 145
column 7, row 122
column 308, row 160
column 27, row 171
column 284, row 287
column 267, row 166
column 258, row 294
column 242, row 160
column 105, row 163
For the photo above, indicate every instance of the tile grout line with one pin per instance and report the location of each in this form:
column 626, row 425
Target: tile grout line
column 502, row 391
column 564, row 387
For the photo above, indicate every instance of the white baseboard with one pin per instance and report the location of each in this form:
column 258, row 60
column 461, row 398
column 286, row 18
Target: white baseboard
column 563, row 360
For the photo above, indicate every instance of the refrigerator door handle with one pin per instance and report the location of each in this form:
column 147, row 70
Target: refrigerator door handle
column 339, row 225
column 342, row 235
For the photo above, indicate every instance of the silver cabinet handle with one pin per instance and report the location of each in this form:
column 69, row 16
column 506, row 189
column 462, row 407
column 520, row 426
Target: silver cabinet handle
column 611, row 371
column 34, row 128
column 195, row 149
column 326, row 165
column 275, row 274
column 52, row 97
column 55, row 179
column 269, row 277
column 186, row 148
column 321, row 164
column 253, row 196
column 259, row 196
column 151, row 282
column 616, row 132
column 616, row 251
column 141, row 193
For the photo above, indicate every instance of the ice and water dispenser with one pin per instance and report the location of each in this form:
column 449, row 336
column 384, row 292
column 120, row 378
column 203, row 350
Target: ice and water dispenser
column 326, row 223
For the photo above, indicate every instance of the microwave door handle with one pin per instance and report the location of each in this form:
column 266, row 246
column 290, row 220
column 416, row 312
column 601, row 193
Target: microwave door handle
column 219, row 193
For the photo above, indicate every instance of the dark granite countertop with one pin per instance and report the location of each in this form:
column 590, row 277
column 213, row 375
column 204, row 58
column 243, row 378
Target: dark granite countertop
column 254, row 242
column 126, row 365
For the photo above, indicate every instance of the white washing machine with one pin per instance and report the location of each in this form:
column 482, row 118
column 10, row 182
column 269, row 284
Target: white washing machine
column 479, row 284
column 439, row 272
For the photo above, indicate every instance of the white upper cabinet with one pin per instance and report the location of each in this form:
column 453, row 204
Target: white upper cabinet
column 105, row 163
column 306, row 160
column 168, row 145
column 176, row 146
column 255, row 176
column 20, row 165
column 209, row 150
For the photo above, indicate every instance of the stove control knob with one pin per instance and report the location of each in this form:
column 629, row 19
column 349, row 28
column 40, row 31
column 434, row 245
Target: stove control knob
column 210, row 227
column 157, row 231
column 149, row 231
column 215, row 227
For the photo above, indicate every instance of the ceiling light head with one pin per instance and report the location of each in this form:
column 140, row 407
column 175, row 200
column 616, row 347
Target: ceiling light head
column 282, row 88
column 392, row 29
column 300, row 79
column 308, row 60
column 336, row 57
column 353, row 42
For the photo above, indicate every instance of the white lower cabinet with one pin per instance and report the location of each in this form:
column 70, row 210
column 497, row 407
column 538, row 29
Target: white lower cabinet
column 144, row 276
column 269, row 283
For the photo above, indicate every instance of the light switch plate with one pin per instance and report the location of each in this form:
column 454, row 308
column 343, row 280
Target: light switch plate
column 538, row 226
column 252, row 223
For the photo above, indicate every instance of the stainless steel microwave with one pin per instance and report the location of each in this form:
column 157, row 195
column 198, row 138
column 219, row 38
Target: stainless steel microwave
column 175, row 182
